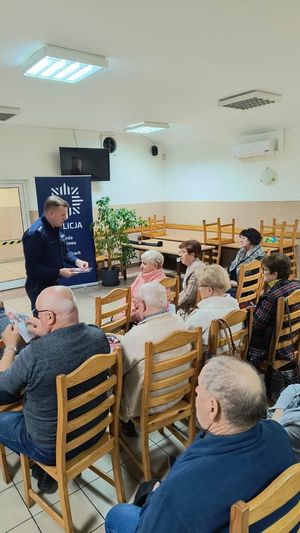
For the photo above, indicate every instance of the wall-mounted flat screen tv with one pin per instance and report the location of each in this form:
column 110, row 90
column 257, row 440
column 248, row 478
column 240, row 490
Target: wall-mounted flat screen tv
column 85, row 161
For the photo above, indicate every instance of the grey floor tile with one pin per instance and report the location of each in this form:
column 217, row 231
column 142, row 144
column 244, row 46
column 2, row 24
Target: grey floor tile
column 27, row 527
column 49, row 498
column 103, row 495
column 85, row 516
column 12, row 509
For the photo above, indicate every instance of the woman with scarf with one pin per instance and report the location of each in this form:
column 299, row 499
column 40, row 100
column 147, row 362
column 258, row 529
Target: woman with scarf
column 251, row 250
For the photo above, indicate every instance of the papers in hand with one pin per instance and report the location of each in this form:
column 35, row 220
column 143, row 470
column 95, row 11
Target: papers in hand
column 18, row 319
column 81, row 270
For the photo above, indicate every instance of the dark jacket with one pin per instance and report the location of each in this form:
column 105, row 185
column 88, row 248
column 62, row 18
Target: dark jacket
column 45, row 252
column 212, row 474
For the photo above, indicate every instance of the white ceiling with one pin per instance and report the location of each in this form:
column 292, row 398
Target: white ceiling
column 169, row 61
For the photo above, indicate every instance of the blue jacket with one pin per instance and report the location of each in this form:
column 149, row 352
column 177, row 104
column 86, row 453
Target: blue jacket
column 45, row 251
column 211, row 475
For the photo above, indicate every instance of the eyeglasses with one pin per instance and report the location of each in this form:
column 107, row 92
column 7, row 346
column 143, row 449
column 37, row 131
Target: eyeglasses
column 266, row 271
column 205, row 286
column 36, row 312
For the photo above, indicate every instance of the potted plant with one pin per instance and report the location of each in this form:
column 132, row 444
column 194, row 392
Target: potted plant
column 111, row 238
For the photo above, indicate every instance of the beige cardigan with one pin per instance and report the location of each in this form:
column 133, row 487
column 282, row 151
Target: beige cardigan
column 154, row 328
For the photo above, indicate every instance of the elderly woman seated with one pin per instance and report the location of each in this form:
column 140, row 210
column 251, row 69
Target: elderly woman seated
column 251, row 250
column 215, row 303
column 151, row 270
column 276, row 270
column 189, row 253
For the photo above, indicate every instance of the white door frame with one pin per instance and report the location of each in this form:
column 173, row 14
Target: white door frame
column 21, row 186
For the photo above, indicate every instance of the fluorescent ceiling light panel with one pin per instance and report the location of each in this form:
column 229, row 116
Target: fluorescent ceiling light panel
column 61, row 64
column 146, row 127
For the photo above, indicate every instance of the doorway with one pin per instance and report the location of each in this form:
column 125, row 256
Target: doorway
column 14, row 219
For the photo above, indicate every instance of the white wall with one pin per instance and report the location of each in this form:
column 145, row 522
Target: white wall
column 136, row 176
column 209, row 173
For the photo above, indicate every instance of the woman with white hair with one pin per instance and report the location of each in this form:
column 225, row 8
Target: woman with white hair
column 213, row 282
column 151, row 270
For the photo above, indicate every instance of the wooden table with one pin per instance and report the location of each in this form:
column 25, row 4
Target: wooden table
column 168, row 248
column 180, row 235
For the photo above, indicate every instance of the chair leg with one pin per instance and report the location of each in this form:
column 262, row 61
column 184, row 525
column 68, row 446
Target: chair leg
column 115, row 457
column 145, row 455
column 65, row 504
column 26, row 480
column 4, row 466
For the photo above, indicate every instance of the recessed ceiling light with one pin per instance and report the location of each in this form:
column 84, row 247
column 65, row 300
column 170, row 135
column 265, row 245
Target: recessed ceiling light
column 249, row 99
column 61, row 64
column 146, row 127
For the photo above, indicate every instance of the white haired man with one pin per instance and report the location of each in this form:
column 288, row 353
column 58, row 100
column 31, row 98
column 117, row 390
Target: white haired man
column 234, row 458
column 155, row 324
column 63, row 344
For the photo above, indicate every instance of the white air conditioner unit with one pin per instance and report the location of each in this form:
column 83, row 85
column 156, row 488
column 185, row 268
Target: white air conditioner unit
column 265, row 148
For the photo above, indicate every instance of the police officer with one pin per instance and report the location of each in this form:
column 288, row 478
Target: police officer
column 45, row 249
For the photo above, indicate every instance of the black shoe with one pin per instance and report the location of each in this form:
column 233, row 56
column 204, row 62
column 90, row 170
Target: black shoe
column 128, row 429
column 45, row 482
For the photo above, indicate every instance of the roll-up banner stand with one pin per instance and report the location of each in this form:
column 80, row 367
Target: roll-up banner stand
column 76, row 190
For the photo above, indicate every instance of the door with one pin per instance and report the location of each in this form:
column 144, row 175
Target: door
column 14, row 219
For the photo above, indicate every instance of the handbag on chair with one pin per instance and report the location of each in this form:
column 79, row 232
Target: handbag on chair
column 233, row 349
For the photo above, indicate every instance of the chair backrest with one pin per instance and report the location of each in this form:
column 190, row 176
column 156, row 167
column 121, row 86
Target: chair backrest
column 280, row 491
column 91, row 409
column 172, row 285
column 115, row 317
column 156, row 227
column 285, row 336
column 249, row 283
column 217, row 233
column 281, row 230
column 240, row 322
column 170, row 377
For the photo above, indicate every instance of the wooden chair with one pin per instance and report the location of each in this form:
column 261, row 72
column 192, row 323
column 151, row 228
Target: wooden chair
column 217, row 234
column 280, row 491
column 104, row 319
column 241, row 338
column 65, row 470
column 154, row 392
column 249, row 284
column 4, row 408
column 282, row 333
column 285, row 234
column 172, row 285
column 156, row 228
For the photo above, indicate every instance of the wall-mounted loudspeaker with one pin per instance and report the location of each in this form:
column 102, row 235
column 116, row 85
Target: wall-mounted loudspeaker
column 154, row 150
column 110, row 144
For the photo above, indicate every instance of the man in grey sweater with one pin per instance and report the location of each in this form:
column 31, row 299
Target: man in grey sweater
column 62, row 345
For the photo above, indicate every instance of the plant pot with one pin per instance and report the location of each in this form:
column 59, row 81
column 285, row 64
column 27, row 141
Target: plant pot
column 110, row 277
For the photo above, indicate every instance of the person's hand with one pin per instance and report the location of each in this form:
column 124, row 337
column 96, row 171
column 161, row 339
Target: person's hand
column 81, row 264
column 67, row 272
column 233, row 283
column 34, row 326
column 11, row 335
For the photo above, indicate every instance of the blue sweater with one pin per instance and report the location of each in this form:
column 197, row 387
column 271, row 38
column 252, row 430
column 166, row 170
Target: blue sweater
column 211, row 475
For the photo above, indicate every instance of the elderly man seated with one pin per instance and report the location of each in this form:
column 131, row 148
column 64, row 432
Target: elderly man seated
column 155, row 324
column 63, row 344
column 234, row 458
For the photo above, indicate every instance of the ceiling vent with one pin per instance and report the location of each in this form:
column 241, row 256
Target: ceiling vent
column 249, row 99
column 8, row 112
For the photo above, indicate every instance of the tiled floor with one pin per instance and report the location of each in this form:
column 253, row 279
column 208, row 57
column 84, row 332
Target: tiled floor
column 90, row 496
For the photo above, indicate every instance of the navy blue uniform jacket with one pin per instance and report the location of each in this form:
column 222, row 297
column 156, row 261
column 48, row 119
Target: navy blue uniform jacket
column 45, row 252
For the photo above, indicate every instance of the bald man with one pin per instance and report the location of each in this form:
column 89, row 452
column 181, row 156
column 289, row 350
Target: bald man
column 235, row 457
column 62, row 344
